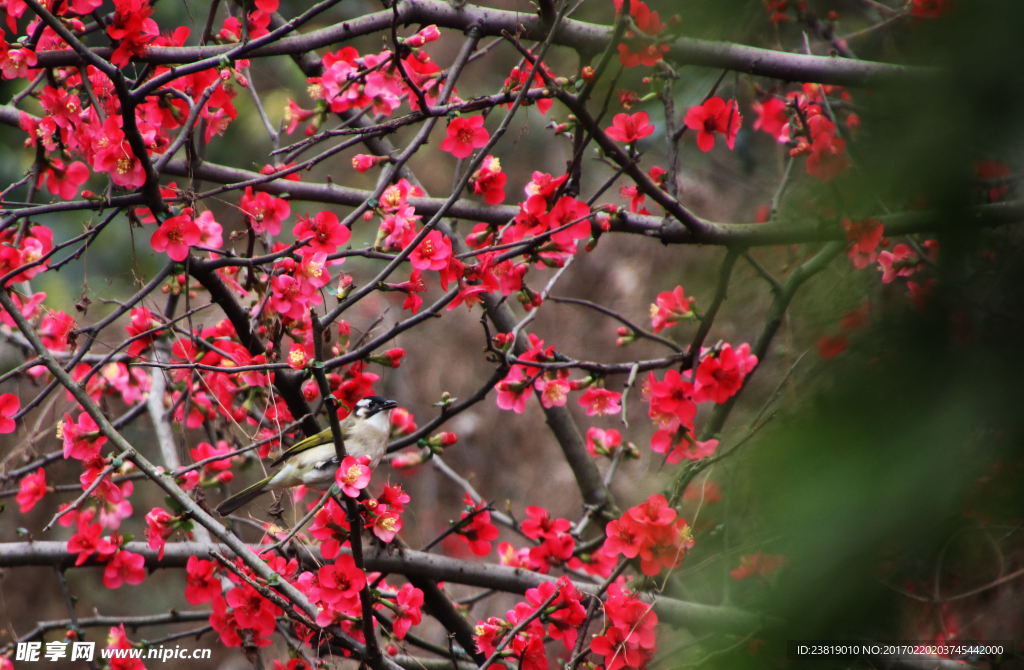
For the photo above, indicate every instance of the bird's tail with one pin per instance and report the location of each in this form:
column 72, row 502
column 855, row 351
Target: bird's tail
column 243, row 497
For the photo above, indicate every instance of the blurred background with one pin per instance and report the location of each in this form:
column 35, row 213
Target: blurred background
column 880, row 496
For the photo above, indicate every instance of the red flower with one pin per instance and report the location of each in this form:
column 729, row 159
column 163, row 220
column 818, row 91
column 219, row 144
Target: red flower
column 201, row 584
column 409, row 612
column 465, row 134
column 991, row 170
column 126, row 567
column 142, row 320
column 87, row 541
column 629, row 640
column 540, row 524
column 900, row 262
column 489, row 181
column 64, row 182
column 720, row 376
column 931, row 9
column 9, row 406
column 480, row 531
column 393, row 496
column 263, row 211
column 131, row 24
column 827, row 159
column 341, row 581
column 831, row 346
column 707, row 492
column 759, row 565
column 679, row 444
column 331, row 527
column 863, row 237
column 294, row 115
column 425, row 36
column 205, row 450
column 251, row 610
column 31, row 490
column 714, row 116
column 432, row 253
column 326, row 232
column 82, row 440
column 919, row 293
column 113, row 154
column 771, row 116
column 176, row 235
column 603, row 442
column 160, row 528
column 649, row 24
column 670, row 306
column 353, row 475
column 671, row 400
column 224, row 623
column 629, row 128
column 666, row 548
column 624, row 536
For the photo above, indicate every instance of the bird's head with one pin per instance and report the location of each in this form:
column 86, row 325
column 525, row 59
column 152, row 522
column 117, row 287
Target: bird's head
column 374, row 404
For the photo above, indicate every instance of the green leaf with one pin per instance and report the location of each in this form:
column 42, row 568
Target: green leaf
column 174, row 505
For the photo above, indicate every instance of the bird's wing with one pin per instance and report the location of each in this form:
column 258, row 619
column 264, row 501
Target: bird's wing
column 323, row 437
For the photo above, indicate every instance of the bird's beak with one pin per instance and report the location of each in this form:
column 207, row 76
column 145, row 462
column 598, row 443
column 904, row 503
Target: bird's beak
column 390, row 404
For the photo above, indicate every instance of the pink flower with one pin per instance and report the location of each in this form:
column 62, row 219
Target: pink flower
column 211, row 231
column 353, row 475
column 629, row 128
column 513, row 391
column 31, row 490
column 553, row 392
column 386, row 525
column 714, row 116
column 176, row 235
column 9, row 406
column 465, row 134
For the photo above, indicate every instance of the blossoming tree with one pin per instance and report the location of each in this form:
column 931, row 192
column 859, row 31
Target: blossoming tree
column 267, row 307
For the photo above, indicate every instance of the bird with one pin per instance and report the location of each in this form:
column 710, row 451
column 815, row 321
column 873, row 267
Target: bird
column 313, row 461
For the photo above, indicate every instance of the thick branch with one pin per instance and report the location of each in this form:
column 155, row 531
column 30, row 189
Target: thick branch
column 409, row 563
column 582, row 36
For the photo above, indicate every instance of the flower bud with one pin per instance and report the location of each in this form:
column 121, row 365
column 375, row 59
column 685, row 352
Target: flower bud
column 587, row 74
